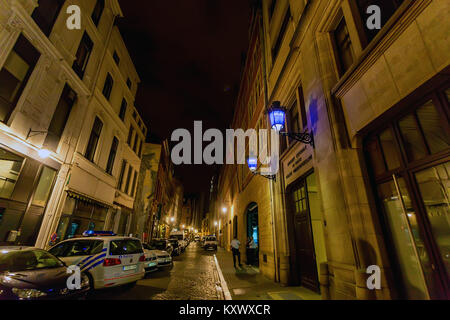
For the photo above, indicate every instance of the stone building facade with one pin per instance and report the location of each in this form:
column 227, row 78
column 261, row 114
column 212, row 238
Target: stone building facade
column 73, row 106
column 373, row 189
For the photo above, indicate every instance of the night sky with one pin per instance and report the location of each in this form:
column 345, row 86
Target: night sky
column 188, row 54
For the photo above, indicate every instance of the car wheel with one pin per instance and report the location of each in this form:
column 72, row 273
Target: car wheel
column 91, row 281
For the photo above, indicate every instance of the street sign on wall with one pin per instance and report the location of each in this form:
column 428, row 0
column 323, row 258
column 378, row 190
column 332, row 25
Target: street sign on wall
column 297, row 162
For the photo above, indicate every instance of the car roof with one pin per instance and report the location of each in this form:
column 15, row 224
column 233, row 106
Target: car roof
column 107, row 238
column 5, row 249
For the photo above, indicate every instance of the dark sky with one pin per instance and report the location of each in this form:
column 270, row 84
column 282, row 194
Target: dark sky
column 188, row 54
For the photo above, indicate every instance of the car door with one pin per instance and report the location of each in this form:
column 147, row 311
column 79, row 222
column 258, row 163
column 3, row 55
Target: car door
column 84, row 253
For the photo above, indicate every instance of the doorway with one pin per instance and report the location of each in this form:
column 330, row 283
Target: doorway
column 302, row 198
column 252, row 235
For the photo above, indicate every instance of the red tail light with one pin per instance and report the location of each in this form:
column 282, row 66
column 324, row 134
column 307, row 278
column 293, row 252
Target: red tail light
column 142, row 258
column 111, row 262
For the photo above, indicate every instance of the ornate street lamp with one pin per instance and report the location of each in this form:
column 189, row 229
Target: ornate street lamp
column 252, row 162
column 277, row 117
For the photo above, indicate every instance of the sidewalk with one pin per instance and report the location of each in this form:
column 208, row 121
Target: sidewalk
column 247, row 283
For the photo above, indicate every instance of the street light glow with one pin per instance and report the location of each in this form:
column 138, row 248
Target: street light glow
column 224, row 209
column 172, row 219
column 215, row 223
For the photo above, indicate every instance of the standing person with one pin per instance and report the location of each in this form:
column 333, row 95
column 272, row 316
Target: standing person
column 235, row 244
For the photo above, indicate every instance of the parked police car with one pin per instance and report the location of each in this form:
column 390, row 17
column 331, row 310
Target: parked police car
column 107, row 259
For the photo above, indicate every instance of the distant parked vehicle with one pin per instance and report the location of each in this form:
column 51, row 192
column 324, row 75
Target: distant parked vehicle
column 161, row 244
column 35, row 274
column 176, row 247
column 162, row 258
column 210, row 242
column 180, row 236
column 151, row 262
column 197, row 238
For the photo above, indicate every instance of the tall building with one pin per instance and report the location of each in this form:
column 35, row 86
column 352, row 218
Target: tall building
column 145, row 205
column 372, row 188
column 67, row 101
column 238, row 198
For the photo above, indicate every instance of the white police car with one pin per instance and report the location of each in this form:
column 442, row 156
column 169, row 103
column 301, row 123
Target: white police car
column 107, row 259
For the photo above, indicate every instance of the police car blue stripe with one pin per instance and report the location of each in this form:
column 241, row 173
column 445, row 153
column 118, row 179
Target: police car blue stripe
column 93, row 260
column 87, row 258
column 95, row 264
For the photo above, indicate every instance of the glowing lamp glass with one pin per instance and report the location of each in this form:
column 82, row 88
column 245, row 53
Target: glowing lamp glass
column 252, row 163
column 277, row 119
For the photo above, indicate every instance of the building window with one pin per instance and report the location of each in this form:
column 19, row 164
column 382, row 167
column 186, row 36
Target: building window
column 93, row 139
column 44, row 187
column 301, row 103
column 130, row 135
column 123, row 109
column 344, row 47
column 60, row 117
column 98, row 10
column 107, row 88
column 408, row 160
column 127, row 185
column 293, row 121
column 281, row 33
column 15, row 74
column 116, row 58
column 10, row 166
column 133, row 189
column 134, row 115
column 388, row 8
column 46, row 14
column 122, row 174
column 82, row 57
column 135, row 144
column 129, row 83
column 112, row 155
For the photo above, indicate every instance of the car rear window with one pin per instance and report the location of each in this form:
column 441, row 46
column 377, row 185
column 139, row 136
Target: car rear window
column 211, row 239
column 159, row 245
column 77, row 248
column 125, row 246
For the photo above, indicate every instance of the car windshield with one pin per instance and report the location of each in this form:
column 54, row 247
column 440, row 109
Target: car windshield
column 211, row 239
column 158, row 245
column 15, row 261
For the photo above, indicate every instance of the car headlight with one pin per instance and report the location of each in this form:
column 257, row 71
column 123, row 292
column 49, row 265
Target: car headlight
column 28, row 293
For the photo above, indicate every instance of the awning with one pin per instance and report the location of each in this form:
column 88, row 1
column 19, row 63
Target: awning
column 85, row 198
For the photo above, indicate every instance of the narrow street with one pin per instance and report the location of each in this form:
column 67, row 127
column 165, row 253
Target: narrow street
column 192, row 277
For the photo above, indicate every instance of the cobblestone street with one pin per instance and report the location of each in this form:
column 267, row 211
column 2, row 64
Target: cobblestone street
column 192, row 277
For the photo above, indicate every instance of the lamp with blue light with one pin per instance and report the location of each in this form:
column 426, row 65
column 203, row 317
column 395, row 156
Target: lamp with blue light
column 252, row 162
column 277, row 118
